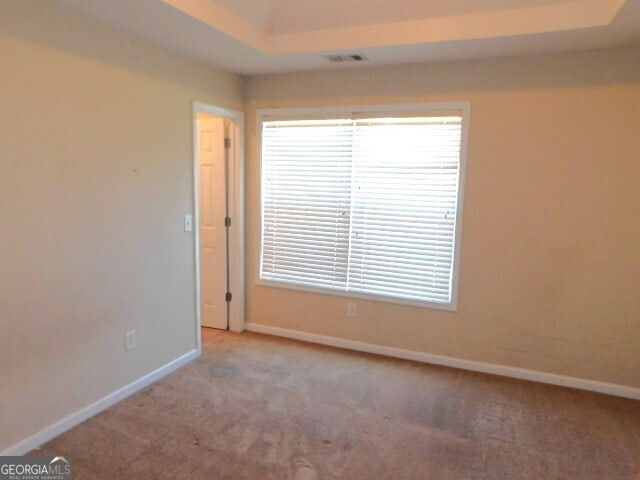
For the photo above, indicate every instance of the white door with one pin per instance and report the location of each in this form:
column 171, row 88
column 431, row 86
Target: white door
column 213, row 246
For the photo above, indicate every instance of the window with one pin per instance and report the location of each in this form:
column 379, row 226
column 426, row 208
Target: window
column 365, row 205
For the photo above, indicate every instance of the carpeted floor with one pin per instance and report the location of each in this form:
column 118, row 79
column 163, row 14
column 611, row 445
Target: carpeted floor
column 258, row 407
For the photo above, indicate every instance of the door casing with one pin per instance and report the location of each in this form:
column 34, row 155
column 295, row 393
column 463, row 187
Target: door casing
column 236, row 212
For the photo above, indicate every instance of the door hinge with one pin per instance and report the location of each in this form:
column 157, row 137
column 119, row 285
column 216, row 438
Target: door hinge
column 228, row 296
column 227, row 143
column 227, row 221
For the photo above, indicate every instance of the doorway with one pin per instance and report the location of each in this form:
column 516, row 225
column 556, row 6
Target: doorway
column 218, row 219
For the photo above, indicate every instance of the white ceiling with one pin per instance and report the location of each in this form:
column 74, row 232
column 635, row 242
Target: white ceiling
column 263, row 36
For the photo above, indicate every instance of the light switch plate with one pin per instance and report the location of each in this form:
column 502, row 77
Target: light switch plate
column 188, row 223
column 130, row 340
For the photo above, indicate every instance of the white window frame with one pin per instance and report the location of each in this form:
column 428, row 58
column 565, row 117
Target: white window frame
column 304, row 113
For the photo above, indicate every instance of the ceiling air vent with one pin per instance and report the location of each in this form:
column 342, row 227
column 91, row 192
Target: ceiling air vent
column 346, row 58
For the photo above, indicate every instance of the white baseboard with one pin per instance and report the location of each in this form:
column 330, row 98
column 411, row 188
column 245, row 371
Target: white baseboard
column 80, row 416
column 502, row 370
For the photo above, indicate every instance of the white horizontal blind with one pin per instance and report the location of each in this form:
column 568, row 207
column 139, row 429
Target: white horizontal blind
column 306, row 192
column 403, row 212
column 365, row 206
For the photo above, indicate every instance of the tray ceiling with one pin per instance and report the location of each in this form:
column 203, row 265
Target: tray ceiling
column 261, row 36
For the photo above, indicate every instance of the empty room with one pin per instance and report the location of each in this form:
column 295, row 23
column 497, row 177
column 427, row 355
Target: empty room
column 358, row 239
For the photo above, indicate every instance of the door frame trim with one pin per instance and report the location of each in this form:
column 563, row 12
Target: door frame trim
column 236, row 212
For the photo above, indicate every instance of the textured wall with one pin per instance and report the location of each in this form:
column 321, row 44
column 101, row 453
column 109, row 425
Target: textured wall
column 95, row 176
column 550, row 259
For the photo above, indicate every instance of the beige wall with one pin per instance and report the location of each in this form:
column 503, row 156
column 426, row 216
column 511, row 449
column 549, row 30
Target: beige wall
column 95, row 177
column 550, row 239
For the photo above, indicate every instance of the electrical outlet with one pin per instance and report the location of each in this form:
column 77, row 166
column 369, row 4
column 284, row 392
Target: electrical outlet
column 130, row 340
column 352, row 309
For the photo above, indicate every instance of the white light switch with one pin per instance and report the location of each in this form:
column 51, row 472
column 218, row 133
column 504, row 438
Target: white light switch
column 130, row 340
column 188, row 223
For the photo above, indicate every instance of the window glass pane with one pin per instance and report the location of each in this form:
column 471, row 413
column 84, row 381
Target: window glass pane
column 306, row 194
column 405, row 183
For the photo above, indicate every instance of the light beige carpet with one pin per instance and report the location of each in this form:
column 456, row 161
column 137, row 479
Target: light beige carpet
column 258, row 407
